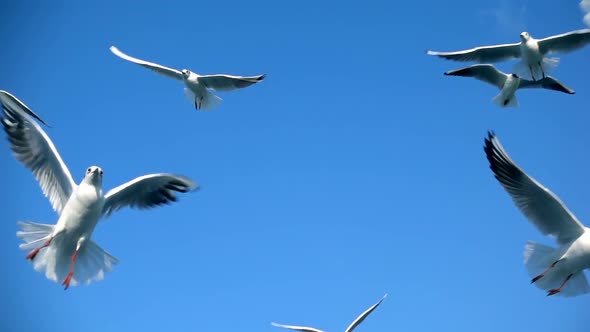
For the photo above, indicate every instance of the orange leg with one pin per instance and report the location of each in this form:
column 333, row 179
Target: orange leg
column 68, row 279
column 557, row 290
column 34, row 253
column 544, row 272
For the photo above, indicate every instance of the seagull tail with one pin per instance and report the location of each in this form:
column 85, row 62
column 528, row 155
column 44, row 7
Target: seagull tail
column 501, row 101
column 91, row 262
column 209, row 102
column 538, row 257
column 523, row 71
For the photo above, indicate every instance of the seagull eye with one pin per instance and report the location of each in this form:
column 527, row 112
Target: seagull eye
column 100, row 172
column 88, row 170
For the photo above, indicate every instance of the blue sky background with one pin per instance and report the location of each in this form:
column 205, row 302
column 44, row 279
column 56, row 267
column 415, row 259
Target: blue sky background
column 355, row 169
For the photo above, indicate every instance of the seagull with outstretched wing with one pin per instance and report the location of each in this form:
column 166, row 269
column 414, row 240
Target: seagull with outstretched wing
column 350, row 328
column 534, row 64
column 556, row 270
column 65, row 251
column 508, row 84
column 197, row 86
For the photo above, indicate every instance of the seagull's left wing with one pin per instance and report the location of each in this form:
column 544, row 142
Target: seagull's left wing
column 548, row 82
column 565, row 42
column 296, row 328
column 146, row 192
column 222, row 82
column 166, row 71
column 364, row 315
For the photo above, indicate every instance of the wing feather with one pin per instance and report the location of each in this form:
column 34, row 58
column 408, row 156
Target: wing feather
column 543, row 208
column 147, row 191
column 297, row 328
column 166, row 71
column 221, row 82
column 486, row 73
column 495, row 53
column 564, row 42
column 364, row 315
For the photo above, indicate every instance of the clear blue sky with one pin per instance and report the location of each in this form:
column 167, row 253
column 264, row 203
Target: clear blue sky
column 355, row 169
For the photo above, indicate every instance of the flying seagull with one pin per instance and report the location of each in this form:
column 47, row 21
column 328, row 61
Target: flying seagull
column 197, row 86
column 66, row 251
column 9, row 99
column 508, row 84
column 531, row 51
column 557, row 270
column 351, row 327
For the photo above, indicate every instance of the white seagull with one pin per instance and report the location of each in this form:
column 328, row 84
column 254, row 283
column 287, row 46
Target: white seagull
column 557, row 270
column 508, row 84
column 66, row 251
column 532, row 52
column 197, row 86
column 351, row 327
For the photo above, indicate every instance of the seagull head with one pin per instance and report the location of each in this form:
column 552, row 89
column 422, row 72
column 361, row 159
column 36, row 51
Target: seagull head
column 186, row 73
column 525, row 36
column 514, row 75
column 93, row 175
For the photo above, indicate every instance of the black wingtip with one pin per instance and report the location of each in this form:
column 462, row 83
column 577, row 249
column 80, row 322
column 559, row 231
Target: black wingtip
column 263, row 76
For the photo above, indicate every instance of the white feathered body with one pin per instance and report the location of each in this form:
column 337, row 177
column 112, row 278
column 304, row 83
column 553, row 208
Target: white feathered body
column 198, row 93
column 80, row 214
column 507, row 97
column 577, row 255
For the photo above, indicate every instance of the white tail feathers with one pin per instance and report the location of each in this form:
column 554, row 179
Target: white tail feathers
column 523, row 71
column 55, row 260
column 501, row 101
column 538, row 257
column 208, row 102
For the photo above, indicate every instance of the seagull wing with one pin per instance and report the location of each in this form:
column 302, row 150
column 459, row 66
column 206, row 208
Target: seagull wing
column 543, row 208
column 222, row 82
column 364, row 315
column 34, row 149
column 565, row 42
column 147, row 191
column 296, row 328
column 170, row 72
column 548, row 82
column 486, row 73
column 495, row 53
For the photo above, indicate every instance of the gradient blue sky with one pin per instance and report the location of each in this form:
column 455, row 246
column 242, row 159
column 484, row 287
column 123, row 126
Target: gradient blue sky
column 355, row 169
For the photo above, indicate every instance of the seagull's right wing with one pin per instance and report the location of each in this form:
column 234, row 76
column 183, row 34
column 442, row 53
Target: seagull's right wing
column 34, row 149
column 221, row 82
column 495, row 53
column 548, row 82
column 543, row 208
column 566, row 42
column 296, row 328
column 364, row 315
column 170, row 72
column 486, row 73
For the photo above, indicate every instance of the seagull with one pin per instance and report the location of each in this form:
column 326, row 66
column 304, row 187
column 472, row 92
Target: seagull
column 15, row 102
column 557, row 270
column 351, row 327
column 197, row 86
column 531, row 50
column 508, row 84
column 66, row 251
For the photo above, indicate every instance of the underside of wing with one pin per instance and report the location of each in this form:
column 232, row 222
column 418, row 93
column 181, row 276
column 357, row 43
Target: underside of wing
column 170, row 72
column 33, row 148
column 565, row 42
column 297, row 328
column 543, row 208
column 364, row 315
column 147, row 191
column 495, row 53
column 486, row 73
column 548, row 82
column 222, row 82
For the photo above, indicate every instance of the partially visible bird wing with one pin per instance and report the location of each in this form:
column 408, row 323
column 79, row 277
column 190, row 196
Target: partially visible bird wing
column 147, row 191
column 495, row 53
column 296, row 328
column 170, row 72
column 543, row 208
column 486, row 73
column 33, row 148
column 364, row 315
column 548, row 82
column 222, row 82
column 565, row 42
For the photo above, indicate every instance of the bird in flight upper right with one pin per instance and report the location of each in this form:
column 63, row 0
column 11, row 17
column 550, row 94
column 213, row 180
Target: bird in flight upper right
column 557, row 270
column 350, row 327
column 197, row 86
column 534, row 65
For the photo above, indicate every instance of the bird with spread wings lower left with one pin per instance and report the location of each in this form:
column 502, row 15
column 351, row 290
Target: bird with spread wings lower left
column 197, row 86
column 65, row 251
column 350, row 327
